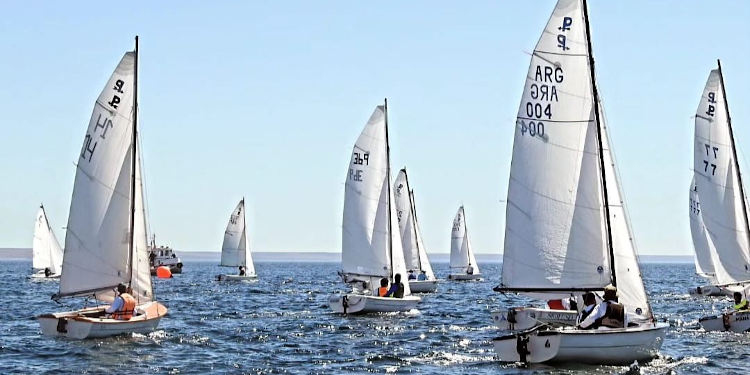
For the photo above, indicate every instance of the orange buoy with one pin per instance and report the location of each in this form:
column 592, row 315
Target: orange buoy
column 163, row 272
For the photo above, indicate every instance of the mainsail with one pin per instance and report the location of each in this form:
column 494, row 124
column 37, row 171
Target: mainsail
column 718, row 184
column 566, row 223
column 704, row 265
column 101, row 251
column 370, row 244
column 423, row 259
column 461, row 254
column 414, row 252
column 235, row 250
column 46, row 251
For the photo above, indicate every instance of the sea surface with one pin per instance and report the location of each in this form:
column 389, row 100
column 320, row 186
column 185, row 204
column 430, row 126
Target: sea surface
column 281, row 324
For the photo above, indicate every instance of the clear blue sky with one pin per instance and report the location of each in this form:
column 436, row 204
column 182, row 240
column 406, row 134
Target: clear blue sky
column 265, row 99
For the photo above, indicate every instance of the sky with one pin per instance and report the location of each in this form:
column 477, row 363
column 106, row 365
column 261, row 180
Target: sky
column 264, row 99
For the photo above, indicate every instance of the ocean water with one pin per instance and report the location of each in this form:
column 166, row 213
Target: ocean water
column 281, row 324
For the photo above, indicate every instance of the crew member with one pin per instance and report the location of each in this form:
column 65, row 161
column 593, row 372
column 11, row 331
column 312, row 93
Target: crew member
column 609, row 313
column 589, row 303
column 739, row 302
column 397, row 288
column 383, row 290
column 123, row 307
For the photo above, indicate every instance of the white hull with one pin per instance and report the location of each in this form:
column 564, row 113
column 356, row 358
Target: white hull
column 424, row 286
column 733, row 321
column 602, row 346
column 362, row 304
column 89, row 323
column 235, row 277
column 522, row 318
column 710, row 291
column 40, row 275
column 464, row 277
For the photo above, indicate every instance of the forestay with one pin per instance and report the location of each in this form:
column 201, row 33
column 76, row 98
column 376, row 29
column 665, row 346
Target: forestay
column 717, row 181
column 461, row 254
column 371, row 245
column 46, row 251
column 235, row 250
column 704, row 265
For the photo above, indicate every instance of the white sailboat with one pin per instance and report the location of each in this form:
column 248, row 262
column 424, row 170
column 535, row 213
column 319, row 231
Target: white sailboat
column 371, row 245
column 106, row 233
column 566, row 225
column 46, row 253
column 415, row 254
column 722, row 201
column 704, row 265
column 235, row 251
column 463, row 264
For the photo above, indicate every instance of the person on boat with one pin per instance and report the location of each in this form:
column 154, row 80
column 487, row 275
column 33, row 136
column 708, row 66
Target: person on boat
column 609, row 313
column 589, row 303
column 383, row 290
column 412, row 276
column 47, row 272
column 739, row 302
column 397, row 288
column 469, row 270
column 123, row 307
column 242, row 270
column 422, row 276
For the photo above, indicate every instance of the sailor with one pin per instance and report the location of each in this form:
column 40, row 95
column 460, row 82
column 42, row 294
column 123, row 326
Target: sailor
column 47, row 272
column 412, row 276
column 422, row 276
column 589, row 302
column 242, row 270
column 383, row 290
column 609, row 313
column 739, row 302
column 469, row 270
column 123, row 307
column 397, row 288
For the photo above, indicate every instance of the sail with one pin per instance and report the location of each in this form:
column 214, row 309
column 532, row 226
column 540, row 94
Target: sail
column 141, row 280
column 371, row 244
column 555, row 238
column 406, row 222
column 97, row 239
column 424, row 261
column 461, row 254
column 704, row 265
column 717, row 181
column 235, row 251
column 46, row 251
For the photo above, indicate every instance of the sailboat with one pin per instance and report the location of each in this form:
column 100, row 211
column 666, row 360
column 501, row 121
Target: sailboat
column 463, row 264
column 415, row 254
column 704, row 265
column 371, row 245
column 722, row 202
column 46, row 253
column 105, row 242
column 567, row 230
column 235, row 251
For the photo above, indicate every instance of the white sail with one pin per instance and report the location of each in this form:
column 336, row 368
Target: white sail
column 717, row 180
column 235, row 250
column 423, row 259
column 462, row 255
column 141, row 281
column 97, row 252
column 704, row 265
column 555, row 235
column 371, row 245
column 46, row 251
column 415, row 255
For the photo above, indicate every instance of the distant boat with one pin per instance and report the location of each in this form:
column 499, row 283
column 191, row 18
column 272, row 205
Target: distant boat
column 163, row 256
column 106, row 244
column 371, row 244
column 463, row 264
column 566, row 227
column 235, row 251
column 704, row 265
column 720, row 204
column 46, row 254
column 415, row 254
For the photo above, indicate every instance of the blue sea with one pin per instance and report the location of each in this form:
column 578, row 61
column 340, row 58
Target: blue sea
column 281, row 324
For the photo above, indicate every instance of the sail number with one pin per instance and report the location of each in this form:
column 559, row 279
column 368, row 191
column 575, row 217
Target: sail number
column 695, row 206
column 711, row 101
column 358, row 159
column 103, row 124
column 532, row 128
column 707, row 165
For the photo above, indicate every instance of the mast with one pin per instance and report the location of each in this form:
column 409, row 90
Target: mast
column 734, row 151
column 413, row 212
column 599, row 132
column 388, row 182
column 134, row 143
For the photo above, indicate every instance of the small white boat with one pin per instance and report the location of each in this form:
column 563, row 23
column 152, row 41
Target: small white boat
column 523, row 318
column 415, row 254
column 159, row 256
column 710, row 291
column 235, row 251
column 734, row 321
column 463, row 264
column 371, row 247
column 567, row 230
column 106, row 240
column 46, row 253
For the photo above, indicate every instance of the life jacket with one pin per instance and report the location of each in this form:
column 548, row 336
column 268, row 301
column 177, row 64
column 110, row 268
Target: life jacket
column 555, row 304
column 399, row 292
column 382, row 291
column 614, row 317
column 743, row 305
column 128, row 308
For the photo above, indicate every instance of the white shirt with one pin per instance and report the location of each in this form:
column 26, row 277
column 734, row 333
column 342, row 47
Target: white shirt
column 600, row 311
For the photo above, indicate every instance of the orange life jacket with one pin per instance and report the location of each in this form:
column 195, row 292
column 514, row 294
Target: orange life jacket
column 128, row 308
column 382, row 291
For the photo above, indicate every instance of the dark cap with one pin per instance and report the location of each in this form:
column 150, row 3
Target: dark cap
column 122, row 288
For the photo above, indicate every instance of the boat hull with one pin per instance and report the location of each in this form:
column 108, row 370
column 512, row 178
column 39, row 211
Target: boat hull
column 602, row 346
column 40, row 276
column 424, row 286
column 464, row 277
column 732, row 321
column 710, row 291
column 90, row 322
column 362, row 304
column 235, row 277
column 523, row 318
